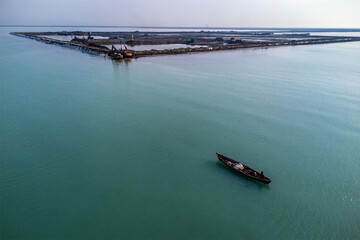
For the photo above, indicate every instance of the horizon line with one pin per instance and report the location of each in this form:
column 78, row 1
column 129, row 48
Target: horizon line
column 184, row 27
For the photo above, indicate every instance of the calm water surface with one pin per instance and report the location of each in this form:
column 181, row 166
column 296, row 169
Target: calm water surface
column 95, row 149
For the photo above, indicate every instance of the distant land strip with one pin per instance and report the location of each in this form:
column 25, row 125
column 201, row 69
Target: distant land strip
column 192, row 41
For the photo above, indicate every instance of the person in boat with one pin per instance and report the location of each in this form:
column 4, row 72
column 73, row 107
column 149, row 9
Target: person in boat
column 262, row 174
column 251, row 172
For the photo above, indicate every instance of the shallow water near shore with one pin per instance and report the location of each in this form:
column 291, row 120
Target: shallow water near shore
column 91, row 148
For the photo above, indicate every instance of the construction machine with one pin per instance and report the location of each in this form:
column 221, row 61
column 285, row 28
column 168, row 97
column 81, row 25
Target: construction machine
column 119, row 54
column 235, row 40
column 131, row 40
column 115, row 54
column 125, row 52
column 88, row 36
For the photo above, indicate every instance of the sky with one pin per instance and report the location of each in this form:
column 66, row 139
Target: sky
column 183, row 13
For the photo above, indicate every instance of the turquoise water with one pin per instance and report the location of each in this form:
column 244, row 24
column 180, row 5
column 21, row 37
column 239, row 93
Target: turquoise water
column 95, row 149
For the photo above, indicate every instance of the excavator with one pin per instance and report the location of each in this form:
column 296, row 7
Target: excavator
column 235, row 40
column 131, row 41
column 115, row 54
column 88, row 36
column 125, row 52
column 119, row 54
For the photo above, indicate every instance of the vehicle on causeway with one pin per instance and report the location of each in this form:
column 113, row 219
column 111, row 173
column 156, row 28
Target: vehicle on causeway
column 243, row 169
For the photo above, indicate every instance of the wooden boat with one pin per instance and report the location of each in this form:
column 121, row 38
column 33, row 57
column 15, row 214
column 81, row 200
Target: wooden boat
column 243, row 169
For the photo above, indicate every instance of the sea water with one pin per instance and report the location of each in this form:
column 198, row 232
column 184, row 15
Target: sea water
column 92, row 148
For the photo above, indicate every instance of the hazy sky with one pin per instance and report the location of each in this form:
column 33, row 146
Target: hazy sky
column 190, row 13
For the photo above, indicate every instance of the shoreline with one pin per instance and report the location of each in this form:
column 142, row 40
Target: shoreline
column 208, row 41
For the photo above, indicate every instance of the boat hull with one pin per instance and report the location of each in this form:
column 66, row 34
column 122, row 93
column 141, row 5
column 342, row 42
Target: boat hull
column 243, row 169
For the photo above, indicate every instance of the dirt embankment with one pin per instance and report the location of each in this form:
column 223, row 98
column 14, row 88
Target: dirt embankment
column 210, row 41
